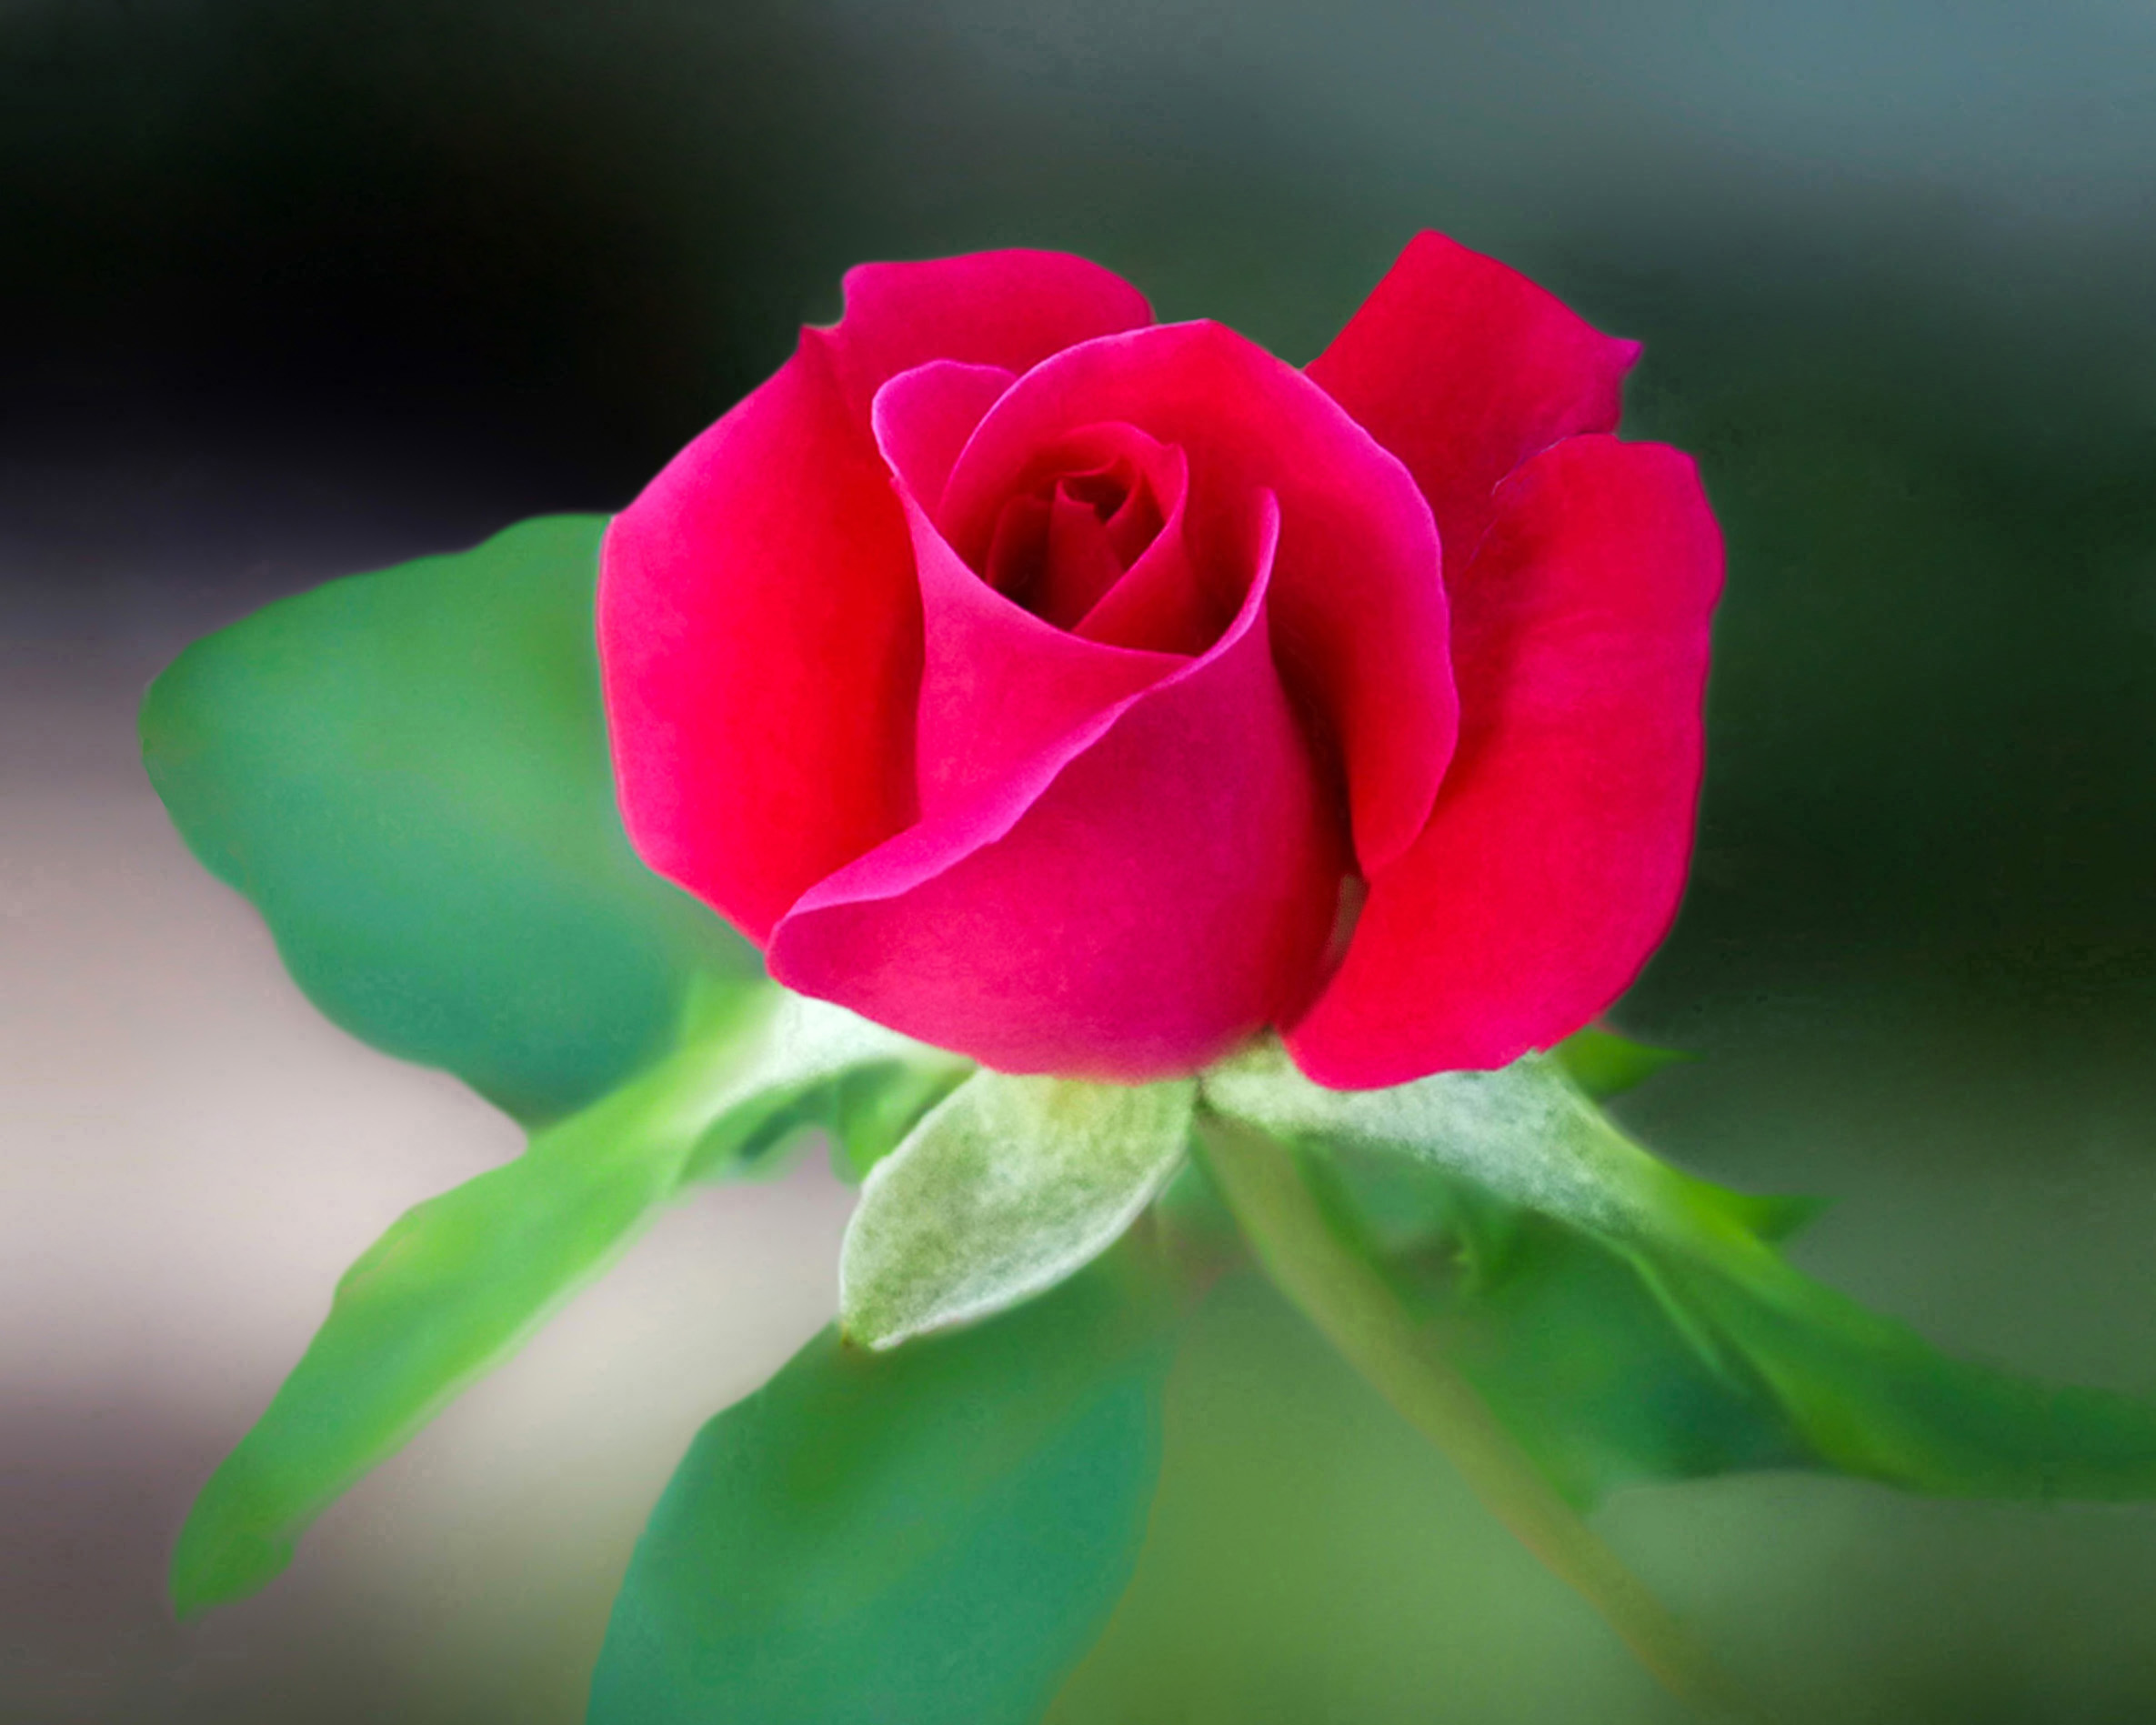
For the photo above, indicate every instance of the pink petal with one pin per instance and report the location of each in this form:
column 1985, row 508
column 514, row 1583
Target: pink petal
column 1359, row 614
column 923, row 418
column 1557, row 851
column 998, row 684
column 759, row 637
column 759, row 626
column 1464, row 368
column 1132, row 902
column 1049, row 547
column 1010, row 308
column 1161, row 602
column 1082, row 564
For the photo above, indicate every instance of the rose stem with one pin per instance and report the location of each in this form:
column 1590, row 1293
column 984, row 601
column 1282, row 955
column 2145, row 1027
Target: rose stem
column 1351, row 1304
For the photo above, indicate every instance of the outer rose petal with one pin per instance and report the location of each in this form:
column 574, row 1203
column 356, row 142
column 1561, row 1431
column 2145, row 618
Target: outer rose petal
column 1358, row 605
column 1011, row 309
column 759, row 637
column 760, row 627
column 1557, row 851
column 1464, row 368
column 1131, row 903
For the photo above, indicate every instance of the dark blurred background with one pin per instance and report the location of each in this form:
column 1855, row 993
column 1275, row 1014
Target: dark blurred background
column 293, row 288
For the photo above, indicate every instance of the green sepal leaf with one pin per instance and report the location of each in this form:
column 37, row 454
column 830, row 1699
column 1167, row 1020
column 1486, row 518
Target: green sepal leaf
column 1605, row 1063
column 462, row 1280
column 1564, row 1332
column 407, row 773
column 1522, row 1132
column 1006, row 1188
column 1627, row 1321
column 873, row 1110
column 823, row 1066
column 914, row 1537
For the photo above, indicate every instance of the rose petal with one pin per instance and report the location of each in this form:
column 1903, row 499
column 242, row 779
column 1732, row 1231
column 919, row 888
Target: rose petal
column 998, row 684
column 1464, row 368
column 759, row 636
column 1130, row 903
column 1161, row 602
column 1556, row 854
column 759, row 626
column 1073, row 465
column 1358, row 616
column 1008, row 309
column 922, row 418
column 1081, row 562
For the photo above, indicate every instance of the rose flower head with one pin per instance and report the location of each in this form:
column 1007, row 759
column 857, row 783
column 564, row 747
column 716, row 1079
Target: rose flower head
column 1087, row 695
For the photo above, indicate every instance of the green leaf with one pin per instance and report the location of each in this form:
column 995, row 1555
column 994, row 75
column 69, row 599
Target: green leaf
column 916, row 1538
column 1627, row 1321
column 407, row 773
column 1605, row 1063
column 1007, row 1186
column 1561, row 1330
column 1871, row 1398
column 461, row 1281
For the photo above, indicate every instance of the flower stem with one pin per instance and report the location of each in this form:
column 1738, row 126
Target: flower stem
column 1360, row 1315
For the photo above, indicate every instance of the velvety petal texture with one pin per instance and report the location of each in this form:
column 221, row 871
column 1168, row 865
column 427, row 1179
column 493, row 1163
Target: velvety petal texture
column 998, row 685
column 1464, row 368
column 1087, row 695
column 1010, row 309
column 761, row 656
column 759, row 616
column 1552, row 864
column 1358, row 600
column 1134, row 901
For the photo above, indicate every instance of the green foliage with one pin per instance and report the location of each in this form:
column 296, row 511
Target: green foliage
column 460, row 1281
column 406, row 772
column 1007, row 1186
column 1871, row 1398
column 454, row 1284
column 1629, row 1322
column 824, row 1066
column 1563, row 1331
column 1605, row 1063
column 872, row 1111
column 933, row 1534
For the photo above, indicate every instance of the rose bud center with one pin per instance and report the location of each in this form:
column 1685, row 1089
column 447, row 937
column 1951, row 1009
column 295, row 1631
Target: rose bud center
column 1090, row 537
column 1057, row 550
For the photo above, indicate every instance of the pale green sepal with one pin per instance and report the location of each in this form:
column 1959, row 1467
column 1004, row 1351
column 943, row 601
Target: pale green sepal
column 812, row 1060
column 1523, row 1132
column 1006, row 1188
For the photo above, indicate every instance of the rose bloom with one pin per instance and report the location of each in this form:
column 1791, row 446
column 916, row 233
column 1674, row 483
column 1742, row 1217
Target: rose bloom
column 1086, row 694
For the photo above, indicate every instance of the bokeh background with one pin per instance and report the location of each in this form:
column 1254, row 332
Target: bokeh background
column 293, row 288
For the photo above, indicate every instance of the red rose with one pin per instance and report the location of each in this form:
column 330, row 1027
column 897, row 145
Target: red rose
column 1047, row 682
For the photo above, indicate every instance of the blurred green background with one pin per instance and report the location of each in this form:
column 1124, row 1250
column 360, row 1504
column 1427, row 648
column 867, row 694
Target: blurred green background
column 290, row 287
